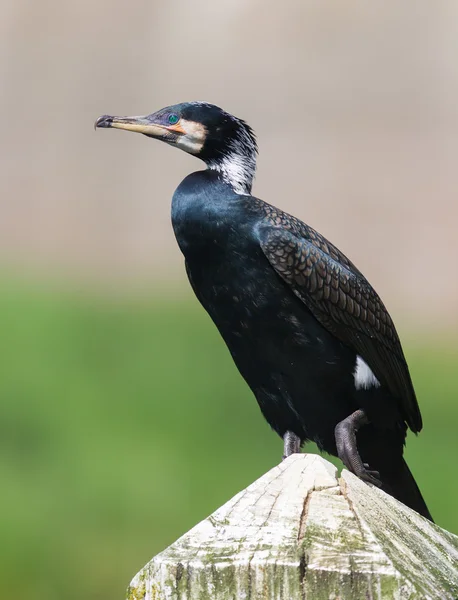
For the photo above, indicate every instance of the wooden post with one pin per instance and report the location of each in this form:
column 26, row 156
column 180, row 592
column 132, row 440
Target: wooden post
column 300, row 533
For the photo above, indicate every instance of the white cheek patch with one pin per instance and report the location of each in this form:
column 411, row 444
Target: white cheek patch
column 364, row 378
column 189, row 144
column 193, row 139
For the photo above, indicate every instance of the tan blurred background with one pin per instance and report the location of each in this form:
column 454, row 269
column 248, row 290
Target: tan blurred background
column 355, row 106
column 123, row 421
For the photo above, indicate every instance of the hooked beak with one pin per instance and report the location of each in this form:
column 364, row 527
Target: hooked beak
column 145, row 125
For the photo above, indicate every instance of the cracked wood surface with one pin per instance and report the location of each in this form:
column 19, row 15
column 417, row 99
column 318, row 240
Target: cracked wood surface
column 300, row 533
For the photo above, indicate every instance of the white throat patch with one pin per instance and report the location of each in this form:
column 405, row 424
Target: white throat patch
column 237, row 170
column 364, row 378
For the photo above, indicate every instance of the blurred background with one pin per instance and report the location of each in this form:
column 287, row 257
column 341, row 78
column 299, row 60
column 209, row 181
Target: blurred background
column 123, row 421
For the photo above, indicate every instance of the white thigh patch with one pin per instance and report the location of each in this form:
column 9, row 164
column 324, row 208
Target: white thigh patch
column 364, row 378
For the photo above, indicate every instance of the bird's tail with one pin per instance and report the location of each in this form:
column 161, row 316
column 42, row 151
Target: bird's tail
column 400, row 484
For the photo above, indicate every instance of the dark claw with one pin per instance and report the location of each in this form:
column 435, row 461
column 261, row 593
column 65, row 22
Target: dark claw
column 369, row 476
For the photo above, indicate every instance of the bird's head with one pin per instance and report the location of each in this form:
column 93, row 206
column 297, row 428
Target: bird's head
column 225, row 143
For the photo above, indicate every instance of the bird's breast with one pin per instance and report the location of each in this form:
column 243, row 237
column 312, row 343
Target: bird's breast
column 254, row 310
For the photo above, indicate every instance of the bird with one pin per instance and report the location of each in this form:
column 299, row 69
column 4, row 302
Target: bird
column 306, row 330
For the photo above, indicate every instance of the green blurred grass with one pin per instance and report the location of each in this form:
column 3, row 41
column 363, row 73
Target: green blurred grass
column 122, row 424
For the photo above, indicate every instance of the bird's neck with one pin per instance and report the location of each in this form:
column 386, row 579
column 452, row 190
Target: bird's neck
column 236, row 169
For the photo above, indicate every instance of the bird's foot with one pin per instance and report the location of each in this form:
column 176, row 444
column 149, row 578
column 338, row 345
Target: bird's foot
column 347, row 448
column 292, row 444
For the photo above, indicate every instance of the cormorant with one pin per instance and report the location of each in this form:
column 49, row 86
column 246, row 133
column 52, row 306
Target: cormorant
column 307, row 331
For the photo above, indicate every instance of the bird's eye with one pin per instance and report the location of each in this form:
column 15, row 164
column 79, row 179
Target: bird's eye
column 173, row 119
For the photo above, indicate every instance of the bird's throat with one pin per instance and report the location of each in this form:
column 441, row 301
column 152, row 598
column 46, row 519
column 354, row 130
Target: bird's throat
column 237, row 170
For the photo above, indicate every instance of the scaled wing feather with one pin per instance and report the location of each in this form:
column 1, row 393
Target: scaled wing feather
column 344, row 302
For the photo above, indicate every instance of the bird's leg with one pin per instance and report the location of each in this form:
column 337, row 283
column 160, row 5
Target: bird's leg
column 292, row 444
column 347, row 448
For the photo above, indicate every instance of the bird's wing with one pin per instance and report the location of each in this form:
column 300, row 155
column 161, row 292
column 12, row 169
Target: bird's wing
column 344, row 302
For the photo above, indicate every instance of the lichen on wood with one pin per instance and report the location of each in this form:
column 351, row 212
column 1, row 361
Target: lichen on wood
column 300, row 533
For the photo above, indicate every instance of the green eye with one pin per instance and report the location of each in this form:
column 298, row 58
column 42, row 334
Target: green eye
column 173, row 119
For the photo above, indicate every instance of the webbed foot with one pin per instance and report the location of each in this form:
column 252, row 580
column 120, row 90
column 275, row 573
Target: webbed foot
column 347, row 449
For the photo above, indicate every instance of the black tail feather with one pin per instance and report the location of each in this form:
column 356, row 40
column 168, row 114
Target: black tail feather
column 400, row 484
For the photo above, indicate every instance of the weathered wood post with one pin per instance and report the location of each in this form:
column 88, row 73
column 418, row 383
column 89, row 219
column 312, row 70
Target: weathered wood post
column 300, row 533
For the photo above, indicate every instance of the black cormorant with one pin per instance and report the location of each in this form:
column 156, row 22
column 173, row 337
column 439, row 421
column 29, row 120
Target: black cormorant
column 305, row 328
